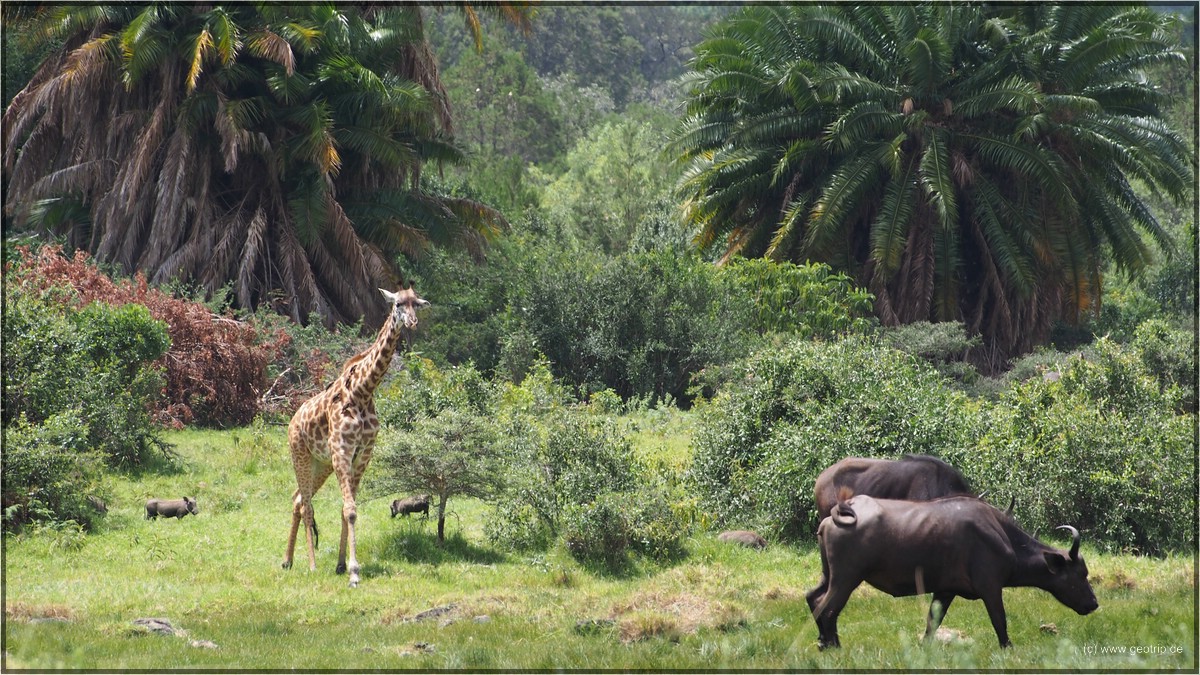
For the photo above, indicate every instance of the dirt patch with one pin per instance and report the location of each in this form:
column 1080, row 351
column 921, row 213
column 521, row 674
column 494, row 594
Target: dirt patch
column 1116, row 581
column 777, row 593
column 21, row 611
column 671, row 616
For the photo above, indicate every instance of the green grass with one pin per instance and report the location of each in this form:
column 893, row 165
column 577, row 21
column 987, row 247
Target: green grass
column 217, row 576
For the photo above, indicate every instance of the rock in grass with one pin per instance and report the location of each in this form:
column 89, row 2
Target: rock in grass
column 156, row 626
column 435, row 612
column 202, row 644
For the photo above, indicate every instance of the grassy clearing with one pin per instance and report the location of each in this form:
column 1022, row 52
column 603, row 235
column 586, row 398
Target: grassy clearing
column 70, row 600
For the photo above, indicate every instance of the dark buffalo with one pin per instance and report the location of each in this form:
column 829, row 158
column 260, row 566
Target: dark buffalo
column 950, row 547
column 916, row 477
column 418, row 504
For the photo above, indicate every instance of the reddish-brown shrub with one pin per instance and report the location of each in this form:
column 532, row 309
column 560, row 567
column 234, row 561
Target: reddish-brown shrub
column 216, row 369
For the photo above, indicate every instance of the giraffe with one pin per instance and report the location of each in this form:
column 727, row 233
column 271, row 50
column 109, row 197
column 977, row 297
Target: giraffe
column 334, row 432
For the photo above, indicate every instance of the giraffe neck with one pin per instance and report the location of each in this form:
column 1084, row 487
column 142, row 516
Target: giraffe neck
column 366, row 376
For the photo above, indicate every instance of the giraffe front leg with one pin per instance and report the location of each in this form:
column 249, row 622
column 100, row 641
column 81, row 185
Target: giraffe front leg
column 344, row 470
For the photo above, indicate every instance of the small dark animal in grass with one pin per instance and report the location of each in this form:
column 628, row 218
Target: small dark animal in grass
column 171, row 508
column 744, row 537
column 97, row 504
column 418, row 504
column 915, row 477
column 950, row 547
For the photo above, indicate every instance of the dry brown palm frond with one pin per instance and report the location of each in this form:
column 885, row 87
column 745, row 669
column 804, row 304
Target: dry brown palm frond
column 146, row 152
column 419, row 65
column 268, row 45
column 23, row 110
column 232, row 136
column 304, row 296
column 77, row 179
column 350, row 245
column 176, row 179
column 39, row 151
column 878, row 283
column 252, row 251
column 233, row 225
column 737, row 240
column 337, row 289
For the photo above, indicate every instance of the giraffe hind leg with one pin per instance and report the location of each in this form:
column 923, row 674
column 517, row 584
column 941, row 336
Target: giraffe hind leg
column 291, row 542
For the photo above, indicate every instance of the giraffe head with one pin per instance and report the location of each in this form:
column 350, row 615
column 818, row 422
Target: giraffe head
column 404, row 306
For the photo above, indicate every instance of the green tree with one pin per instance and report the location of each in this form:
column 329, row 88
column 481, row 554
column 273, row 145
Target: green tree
column 614, row 177
column 964, row 163
column 452, row 454
column 279, row 148
column 506, row 121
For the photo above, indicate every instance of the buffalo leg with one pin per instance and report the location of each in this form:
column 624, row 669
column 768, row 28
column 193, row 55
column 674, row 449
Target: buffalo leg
column 994, row 601
column 937, row 611
column 828, row 610
column 815, row 595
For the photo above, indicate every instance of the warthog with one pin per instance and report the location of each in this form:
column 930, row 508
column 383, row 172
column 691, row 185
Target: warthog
column 171, row 508
column 744, row 537
column 417, row 504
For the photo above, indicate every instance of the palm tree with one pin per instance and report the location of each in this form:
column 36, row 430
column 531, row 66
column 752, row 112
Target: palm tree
column 274, row 148
column 964, row 162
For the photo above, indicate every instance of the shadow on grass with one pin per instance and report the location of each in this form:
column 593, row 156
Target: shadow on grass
column 161, row 460
column 628, row 565
column 418, row 546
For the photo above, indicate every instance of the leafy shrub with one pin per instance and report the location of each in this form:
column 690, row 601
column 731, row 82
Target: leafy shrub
column 216, row 368
column 809, row 300
column 418, row 389
column 1101, row 448
column 800, row 408
column 95, row 363
column 1169, row 356
column 49, row 471
column 641, row 324
column 596, row 531
column 573, row 475
column 944, row 344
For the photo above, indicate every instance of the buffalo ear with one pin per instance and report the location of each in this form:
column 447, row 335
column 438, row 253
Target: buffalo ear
column 1055, row 561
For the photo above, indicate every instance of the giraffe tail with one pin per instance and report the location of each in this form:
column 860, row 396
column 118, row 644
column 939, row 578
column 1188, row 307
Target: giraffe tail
column 315, row 536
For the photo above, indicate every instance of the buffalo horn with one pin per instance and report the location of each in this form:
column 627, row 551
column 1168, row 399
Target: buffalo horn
column 1074, row 540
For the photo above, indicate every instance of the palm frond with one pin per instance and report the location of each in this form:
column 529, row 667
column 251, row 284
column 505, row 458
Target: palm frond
column 937, row 181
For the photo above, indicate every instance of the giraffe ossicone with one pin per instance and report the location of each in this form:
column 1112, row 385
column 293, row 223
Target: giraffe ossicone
column 334, row 433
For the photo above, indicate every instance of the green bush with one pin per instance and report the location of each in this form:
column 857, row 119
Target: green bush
column 96, row 362
column 597, row 531
column 1101, row 448
column 607, row 529
column 800, row 408
column 1169, row 356
column 573, row 476
column 640, row 324
column 49, row 472
column 809, row 300
column 78, row 385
